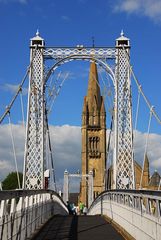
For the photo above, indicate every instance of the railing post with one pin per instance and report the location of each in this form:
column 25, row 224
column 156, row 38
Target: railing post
column 66, row 187
column 158, row 213
column 3, row 218
column 13, row 219
column 29, row 223
column 19, row 221
column 2, row 208
column 34, row 214
column 20, row 218
column 25, row 212
column 43, row 208
column 39, row 209
column 149, row 206
column 90, row 188
column 129, row 201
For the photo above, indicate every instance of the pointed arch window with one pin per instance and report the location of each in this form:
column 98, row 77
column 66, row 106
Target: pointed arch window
column 94, row 147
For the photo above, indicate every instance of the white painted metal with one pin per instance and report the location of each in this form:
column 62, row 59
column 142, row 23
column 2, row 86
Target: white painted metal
column 137, row 212
column 89, row 179
column 90, row 188
column 66, row 187
column 123, row 163
column 20, row 220
column 35, row 144
column 123, row 168
column 98, row 53
column 35, row 140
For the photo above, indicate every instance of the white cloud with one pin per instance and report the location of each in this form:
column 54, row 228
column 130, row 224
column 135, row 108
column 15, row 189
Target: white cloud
column 7, row 163
column 66, row 147
column 153, row 149
column 13, row 88
column 148, row 8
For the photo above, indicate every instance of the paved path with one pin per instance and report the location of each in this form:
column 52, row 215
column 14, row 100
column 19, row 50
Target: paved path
column 78, row 228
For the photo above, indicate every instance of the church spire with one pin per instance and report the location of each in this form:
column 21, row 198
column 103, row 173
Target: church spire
column 146, row 164
column 93, row 136
column 93, row 93
column 146, row 174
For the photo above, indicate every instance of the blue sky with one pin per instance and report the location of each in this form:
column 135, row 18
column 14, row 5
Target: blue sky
column 72, row 22
column 68, row 23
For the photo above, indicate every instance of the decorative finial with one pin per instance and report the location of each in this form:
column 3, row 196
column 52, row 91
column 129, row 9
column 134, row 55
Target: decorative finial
column 122, row 33
column 93, row 42
column 37, row 33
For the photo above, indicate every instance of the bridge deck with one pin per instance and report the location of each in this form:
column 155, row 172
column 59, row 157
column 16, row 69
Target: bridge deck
column 78, row 228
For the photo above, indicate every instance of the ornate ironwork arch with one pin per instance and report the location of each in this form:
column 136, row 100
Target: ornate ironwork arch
column 35, row 153
column 98, row 61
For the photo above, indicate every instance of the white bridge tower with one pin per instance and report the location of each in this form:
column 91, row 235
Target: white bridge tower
column 35, row 152
column 123, row 162
column 35, row 136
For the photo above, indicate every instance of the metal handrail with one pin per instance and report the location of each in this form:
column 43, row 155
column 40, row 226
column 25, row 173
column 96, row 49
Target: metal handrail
column 9, row 194
column 151, row 194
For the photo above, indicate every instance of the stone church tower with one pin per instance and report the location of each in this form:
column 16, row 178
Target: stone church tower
column 93, row 136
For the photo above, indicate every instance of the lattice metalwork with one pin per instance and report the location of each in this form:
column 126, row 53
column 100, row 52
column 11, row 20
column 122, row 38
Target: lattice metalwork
column 123, row 170
column 88, row 178
column 123, row 162
column 35, row 141
column 80, row 51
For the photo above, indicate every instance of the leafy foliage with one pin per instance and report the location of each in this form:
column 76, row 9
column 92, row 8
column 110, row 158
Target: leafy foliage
column 11, row 182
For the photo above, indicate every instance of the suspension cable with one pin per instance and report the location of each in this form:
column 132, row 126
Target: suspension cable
column 50, row 149
column 146, row 145
column 111, row 126
column 18, row 90
column 137, row 109
column 109, row 85
column 151, row 108
column 109, row 138
column 14, row 150
column 14, row 98
column 109, row 103
column 152, row 112
column 53, row 89
column 107, row 178
column 94, row 77
column 22, row 108
column 159, row 184
column 57, row 92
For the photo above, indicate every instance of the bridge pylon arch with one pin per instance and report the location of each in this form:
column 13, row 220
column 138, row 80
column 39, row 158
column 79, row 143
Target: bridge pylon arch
column 35, row 152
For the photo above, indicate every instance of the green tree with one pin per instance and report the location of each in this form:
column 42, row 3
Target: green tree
column 11, row 181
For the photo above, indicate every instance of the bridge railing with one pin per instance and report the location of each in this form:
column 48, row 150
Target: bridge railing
column 24, row 211
column 136, row 211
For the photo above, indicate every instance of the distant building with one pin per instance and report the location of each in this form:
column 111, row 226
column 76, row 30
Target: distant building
column 94, row 145
column 148, row 182
column 154, row 183
column 93, row 136
column 73, row 198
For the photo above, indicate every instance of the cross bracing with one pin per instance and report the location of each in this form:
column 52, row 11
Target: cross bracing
column 98, row 53
column 122, row 123
column 35, row 149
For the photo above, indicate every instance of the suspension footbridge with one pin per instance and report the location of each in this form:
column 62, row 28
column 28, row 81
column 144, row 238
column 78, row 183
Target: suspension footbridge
column 126, row 196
